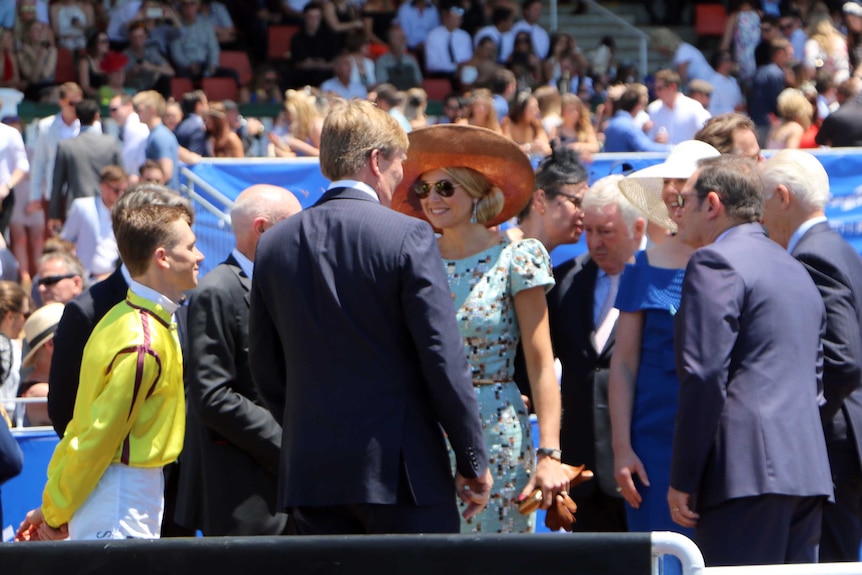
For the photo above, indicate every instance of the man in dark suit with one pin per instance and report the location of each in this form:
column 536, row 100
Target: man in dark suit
column 749, row 469
column 843, row 127
column 230, row 458
column 582, row 330
column 80, row 316
column 797, row 189
column 79, row 164
column 355, row 349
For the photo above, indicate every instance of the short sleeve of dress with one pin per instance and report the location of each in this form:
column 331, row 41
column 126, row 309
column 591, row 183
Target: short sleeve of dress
column 530, row 266
column 631, row 290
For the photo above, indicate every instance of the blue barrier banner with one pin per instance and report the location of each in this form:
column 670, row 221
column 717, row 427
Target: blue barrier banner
column 23, row 493
column 303, row 177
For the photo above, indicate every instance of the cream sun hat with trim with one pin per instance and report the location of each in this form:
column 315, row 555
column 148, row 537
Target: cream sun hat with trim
column 644, row 187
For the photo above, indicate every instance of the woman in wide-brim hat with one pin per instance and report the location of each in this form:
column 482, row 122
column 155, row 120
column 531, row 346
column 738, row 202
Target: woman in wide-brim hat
column 642, row 391
column 464, row 180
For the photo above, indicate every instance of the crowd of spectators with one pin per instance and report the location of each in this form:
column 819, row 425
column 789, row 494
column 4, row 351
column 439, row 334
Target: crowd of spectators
column 795, row 72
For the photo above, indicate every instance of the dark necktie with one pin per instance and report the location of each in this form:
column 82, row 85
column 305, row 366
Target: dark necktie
column 452, row 49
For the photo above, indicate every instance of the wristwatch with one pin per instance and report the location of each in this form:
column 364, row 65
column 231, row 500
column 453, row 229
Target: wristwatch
column 550, row 452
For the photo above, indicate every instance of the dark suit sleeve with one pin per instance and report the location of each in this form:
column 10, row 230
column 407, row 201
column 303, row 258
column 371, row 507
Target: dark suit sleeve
column 71, row 336
column 55, row 207
column 11, row 458
column 211, row 377
column 265, row 354
column 430, row 317
column 842, row 343
column 706, row 330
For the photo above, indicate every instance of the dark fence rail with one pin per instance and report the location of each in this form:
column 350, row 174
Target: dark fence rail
column 550, row 554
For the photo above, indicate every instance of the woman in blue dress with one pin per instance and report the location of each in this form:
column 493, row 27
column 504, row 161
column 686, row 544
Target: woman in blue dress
column 643, row 384
column 464, row 180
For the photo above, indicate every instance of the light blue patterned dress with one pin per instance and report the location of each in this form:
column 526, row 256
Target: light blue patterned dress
column 483, row 290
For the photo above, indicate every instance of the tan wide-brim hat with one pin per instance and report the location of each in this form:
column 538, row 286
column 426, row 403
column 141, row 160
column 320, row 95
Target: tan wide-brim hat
column 643, row 188
column 40, row 327
column 461, row 146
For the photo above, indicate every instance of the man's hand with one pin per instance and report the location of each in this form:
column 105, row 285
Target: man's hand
column 550, row 478
column 680, row 511
column 474, row 492
column 34, row 528
column 33, row 207
column 55, row 225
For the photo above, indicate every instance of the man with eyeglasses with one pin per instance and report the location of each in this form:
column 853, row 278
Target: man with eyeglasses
column 749, row 470
column 88, row 225
column 60, row 277
column 790, row 25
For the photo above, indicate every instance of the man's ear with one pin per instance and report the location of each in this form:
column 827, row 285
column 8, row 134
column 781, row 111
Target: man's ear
column 160, row 258
column 783, row 196
column 713, row 202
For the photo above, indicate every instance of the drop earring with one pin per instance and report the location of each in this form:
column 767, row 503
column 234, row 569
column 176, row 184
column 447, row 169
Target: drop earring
column 474, row 219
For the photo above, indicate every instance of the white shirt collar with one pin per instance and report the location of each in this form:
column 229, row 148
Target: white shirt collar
column 149, row 293
column 355, row 184
column 126, row 275
column 800, row 231
column 245, row 264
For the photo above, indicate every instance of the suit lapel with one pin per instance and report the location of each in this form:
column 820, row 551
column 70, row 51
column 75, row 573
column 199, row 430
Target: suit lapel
column 243, row 279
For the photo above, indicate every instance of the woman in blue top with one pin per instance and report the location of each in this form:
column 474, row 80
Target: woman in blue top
column 643, row 383
column 464, row 180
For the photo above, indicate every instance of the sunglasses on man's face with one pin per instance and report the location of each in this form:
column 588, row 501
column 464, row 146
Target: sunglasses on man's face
column 54, row 280
column 444, row 188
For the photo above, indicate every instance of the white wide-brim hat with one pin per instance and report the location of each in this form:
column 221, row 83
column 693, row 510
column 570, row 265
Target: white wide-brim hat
column 644, row 187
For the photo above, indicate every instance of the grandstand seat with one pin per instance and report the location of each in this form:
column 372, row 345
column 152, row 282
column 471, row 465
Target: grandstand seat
column 218, row 89
column 180, row 87
column 278, row 41
column 377, row 50
column 709, row 19
column 437, row 88
column 65, row 71
column 238, row 61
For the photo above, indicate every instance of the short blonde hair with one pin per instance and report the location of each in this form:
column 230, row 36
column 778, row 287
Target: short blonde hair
column 351, row 131
column 490, row 198
column 150, row 99
column 793, row 105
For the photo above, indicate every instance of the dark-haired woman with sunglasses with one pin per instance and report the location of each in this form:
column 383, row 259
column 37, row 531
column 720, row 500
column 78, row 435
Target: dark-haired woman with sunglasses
column 498, row 290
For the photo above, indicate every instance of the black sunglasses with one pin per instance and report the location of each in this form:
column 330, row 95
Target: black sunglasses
column 53, row 280
column 444, row 188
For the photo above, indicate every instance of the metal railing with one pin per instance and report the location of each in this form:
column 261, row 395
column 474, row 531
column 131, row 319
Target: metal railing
column 628, row 28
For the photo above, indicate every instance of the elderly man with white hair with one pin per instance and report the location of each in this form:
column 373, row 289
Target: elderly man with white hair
column 797, row 189
column 583, row 326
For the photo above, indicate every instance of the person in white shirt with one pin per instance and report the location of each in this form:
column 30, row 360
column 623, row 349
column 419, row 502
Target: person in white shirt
column 88, row 224
column 447, row 45
column 503, row 18
column 532, row 11
column 341, row 83
column 50, row 131
column 726, row 94
column 417, row 19
column 133, row 134
column 674, row 113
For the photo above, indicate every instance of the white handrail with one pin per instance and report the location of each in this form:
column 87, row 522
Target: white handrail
column 205, row 203
column 681, row 547
column 643, row 56
column 800, row 569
